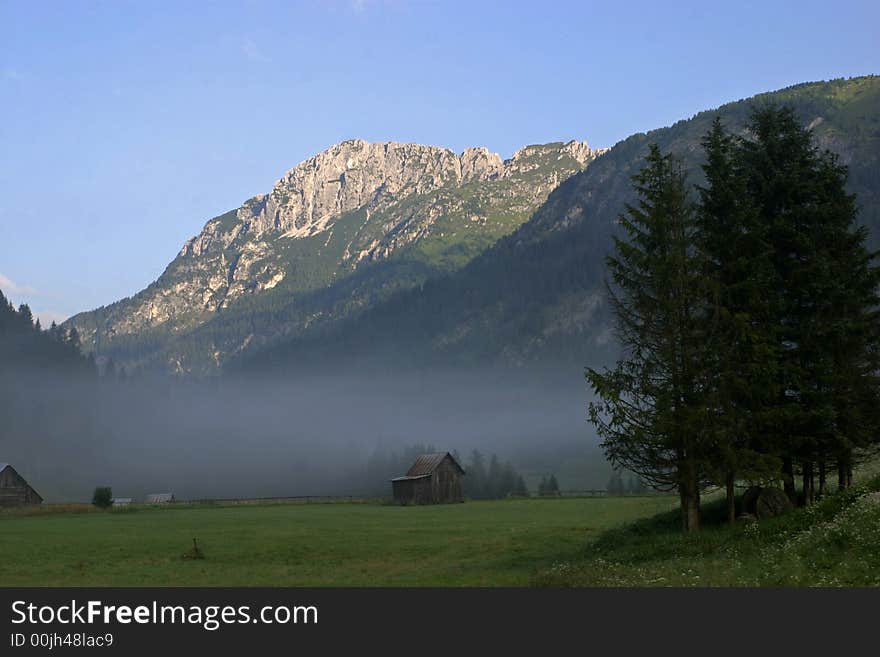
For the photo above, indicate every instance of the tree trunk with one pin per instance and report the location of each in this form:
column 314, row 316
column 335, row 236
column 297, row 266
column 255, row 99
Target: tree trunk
column 788, row 480
column 694, row 514
column 693, row 511
column 807, row 479
column 731, row 497
column 822, row 477
column 683, row 503
column 844, row 470
column 689, row 492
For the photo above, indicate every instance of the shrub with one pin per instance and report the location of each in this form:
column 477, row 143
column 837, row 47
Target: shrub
column 103, row 497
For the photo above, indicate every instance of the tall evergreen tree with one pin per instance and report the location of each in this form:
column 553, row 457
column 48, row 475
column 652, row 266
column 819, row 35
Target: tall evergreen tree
column 542, row 487
column 476, row 476
column 649, row 407
column 494, row 484
column 739, row 353
column 519, row 488
column 821, row 299
column 848, row 332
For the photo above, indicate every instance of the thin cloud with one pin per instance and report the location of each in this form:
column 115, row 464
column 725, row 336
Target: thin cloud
column 11, row 287
column 14, row 293
column 252, row 51
column 46, row 317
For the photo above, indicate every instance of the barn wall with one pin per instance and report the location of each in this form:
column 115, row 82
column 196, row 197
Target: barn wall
column 15, row 491
column 446, row 483
column 402, row 491
column 413, row 491
column 422, row 488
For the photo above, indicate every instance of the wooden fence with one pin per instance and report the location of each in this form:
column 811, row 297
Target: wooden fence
column 311, row 499
column 293, row 499
column 590, row 492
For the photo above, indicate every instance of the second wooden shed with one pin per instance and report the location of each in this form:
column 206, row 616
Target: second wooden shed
column 432, row 479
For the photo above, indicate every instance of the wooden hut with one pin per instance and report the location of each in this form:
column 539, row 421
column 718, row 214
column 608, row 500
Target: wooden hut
column 14, row 490
column 432, row 479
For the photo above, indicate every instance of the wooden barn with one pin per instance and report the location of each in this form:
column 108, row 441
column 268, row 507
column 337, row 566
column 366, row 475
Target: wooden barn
column 432, row 479
column 14, row 490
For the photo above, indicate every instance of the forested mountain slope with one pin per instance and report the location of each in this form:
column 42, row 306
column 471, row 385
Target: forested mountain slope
column 26, row 346
column 538, row 295
column 336, row 234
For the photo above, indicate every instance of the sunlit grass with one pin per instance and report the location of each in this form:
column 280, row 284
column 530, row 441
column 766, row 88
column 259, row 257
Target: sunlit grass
column 832, row 543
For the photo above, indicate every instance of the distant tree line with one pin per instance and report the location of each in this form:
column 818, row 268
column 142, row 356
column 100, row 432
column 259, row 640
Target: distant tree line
column 25, row 344
column 749, row 319
column 548, row 486
column 632, row 485
column 493, row 480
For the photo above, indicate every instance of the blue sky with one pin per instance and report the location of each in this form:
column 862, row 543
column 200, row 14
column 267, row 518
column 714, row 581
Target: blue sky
column 124, row 126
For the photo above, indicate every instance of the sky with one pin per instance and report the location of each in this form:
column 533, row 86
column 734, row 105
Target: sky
column 126, row 125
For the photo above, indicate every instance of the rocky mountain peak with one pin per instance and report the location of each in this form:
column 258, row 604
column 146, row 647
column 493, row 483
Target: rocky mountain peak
column 355, row 203
column 581, row 151
column 348, row 176
column 480, row 164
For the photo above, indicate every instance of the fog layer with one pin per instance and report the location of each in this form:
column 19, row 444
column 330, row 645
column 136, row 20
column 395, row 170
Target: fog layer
column 282, row 437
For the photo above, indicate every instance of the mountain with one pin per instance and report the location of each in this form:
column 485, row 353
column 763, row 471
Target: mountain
column 537, row 296
column 337, row 234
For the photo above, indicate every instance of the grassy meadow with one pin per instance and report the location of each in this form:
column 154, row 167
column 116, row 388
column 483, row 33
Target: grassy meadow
column 560, row 542
column 485, row 543
column 835, row 542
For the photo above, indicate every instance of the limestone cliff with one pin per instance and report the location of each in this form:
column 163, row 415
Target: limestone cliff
column 354, row 204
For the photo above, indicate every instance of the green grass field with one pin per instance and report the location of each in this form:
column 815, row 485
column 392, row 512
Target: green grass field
column 835, row 542
column 472, row 544
column 616, row 541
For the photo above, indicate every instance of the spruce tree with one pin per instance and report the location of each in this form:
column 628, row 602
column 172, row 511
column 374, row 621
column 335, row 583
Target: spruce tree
column 739, row 352
column 821, row 299
column 648, row 409
column 476, row 476
column 848, row 331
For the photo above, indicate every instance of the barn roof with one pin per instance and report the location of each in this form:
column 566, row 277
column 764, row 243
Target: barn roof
column 406, row 478
column 427, row 463
column 3, row 466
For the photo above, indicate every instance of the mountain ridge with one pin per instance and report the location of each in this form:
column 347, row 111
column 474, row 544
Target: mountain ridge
column 354, row 204
column 537, row 295
column 498, row 270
